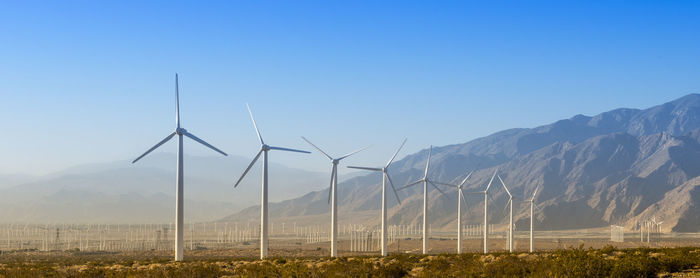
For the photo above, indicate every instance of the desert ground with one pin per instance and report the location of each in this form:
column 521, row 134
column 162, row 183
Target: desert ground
column 233, row 250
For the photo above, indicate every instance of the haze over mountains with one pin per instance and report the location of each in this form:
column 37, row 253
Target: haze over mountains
column 144, row 192
column 616, row 167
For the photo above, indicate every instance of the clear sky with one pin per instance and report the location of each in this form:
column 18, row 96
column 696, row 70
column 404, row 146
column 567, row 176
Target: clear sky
column 93, row 81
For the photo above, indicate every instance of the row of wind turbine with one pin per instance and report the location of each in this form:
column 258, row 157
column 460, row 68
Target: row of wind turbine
column 332, row 197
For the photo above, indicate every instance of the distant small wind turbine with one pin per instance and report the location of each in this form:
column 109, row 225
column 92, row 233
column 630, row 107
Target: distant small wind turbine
column 264, row 148
column 179, row 212
column 425, row 180
column 332, row 194
column 385, row 177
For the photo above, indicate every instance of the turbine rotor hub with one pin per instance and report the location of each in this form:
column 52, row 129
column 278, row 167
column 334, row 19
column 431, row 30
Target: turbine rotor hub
column 180, row 131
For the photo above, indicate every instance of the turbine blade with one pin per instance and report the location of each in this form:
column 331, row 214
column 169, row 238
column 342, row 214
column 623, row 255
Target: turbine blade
column 366, row 168
column 331, row 187
column 396, row 153
column 492, row 177
column 411, row 184
column 255, row 125
column 506, row 206
column 534, row 194
column 204, row 143
column 177, row 102
column 357, row 151
column 155, row 147
column 490, row 197
column 319, row 149
column 504, row 186
column 427, row 164
column 248, row 169
column 392, row 187
column 287, row 150
column 447, row 184
column 465, row 179
column 443, row 193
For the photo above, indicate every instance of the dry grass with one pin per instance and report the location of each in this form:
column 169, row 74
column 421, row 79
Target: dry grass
column 572, row 262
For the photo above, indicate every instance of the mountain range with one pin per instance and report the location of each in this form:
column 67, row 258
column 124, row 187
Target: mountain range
column 618, row 167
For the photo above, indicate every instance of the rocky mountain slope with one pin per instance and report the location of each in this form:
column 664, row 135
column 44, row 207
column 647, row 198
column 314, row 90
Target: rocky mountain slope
column 618, row 167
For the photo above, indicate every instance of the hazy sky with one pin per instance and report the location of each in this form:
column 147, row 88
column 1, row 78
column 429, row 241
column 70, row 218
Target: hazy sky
column 94, row 81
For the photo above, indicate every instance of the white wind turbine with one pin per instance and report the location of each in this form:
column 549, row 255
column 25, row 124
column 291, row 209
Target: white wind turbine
column 425, row 180
column 332, row 194
column 385, row 177
column 486, row 211
column 459, row 209
column 179, row 180
column 264, row 148
column 532, row 221
column 510, row 223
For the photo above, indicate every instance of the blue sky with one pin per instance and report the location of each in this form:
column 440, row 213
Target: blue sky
column 93, row 81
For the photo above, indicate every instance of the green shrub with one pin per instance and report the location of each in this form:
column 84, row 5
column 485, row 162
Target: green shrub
column 508, row 266
column 631, row 265
column 578, row 262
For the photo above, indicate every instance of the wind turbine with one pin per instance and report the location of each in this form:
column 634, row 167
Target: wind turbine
column 459, row 209
column 385, row 177
column 486, row 211
column 425, row 180
column 532, row 221
column 179, row 180
column 264, row 148
column 510, row 224
column 332, row 194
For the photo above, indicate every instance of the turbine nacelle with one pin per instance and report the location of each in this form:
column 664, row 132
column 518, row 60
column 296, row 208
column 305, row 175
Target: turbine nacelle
column 180, row 131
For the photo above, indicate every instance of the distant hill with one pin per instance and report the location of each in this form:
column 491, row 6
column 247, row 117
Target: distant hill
column 144, row 192
column 616, row 167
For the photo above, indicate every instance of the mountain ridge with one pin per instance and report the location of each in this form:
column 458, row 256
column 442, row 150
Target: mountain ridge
column 597, row 170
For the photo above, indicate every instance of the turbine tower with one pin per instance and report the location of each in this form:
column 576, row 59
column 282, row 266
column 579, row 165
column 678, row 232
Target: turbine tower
column 385, row 177
column 510, row 224
column 264, row 149
column 425, row 180
column 332, row 194
column 179, row 178
column 459, row 209
column 532, row 221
